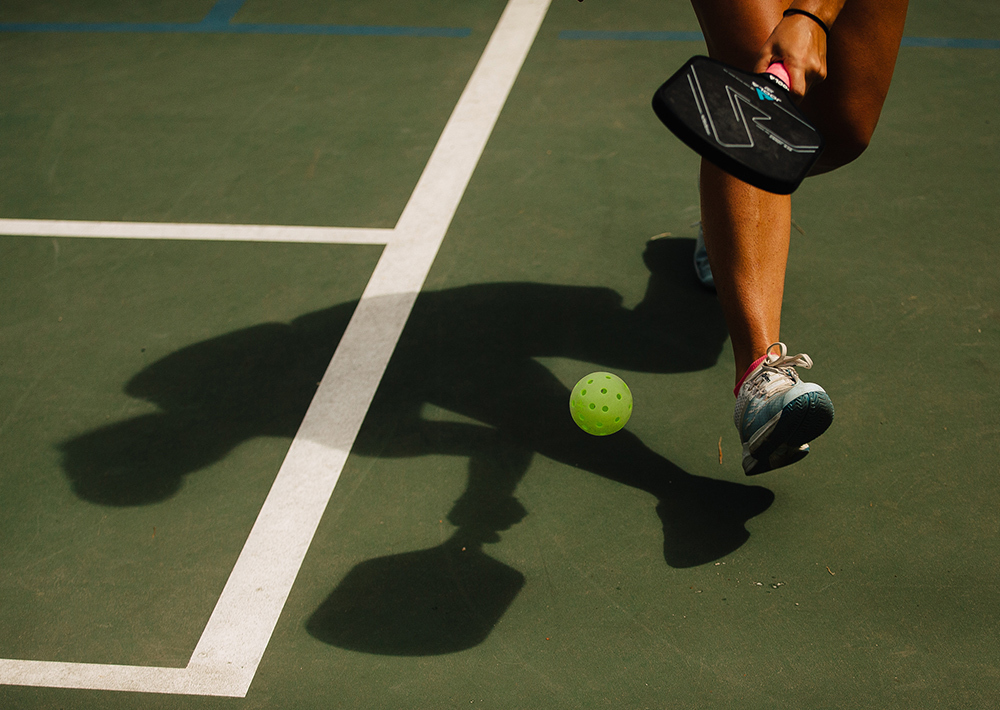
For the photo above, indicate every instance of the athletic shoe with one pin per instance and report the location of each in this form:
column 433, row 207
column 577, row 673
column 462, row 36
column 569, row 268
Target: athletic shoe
column 777, row 414
column 702, row 269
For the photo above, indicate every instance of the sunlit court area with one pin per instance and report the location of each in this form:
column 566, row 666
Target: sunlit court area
column 293, row 297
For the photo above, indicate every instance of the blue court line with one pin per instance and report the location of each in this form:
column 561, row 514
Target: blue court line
column 632, row 36
column 219, row 21
column 233, row 29
column 641, row 36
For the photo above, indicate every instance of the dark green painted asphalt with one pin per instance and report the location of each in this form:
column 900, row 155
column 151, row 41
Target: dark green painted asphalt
column 149, row 390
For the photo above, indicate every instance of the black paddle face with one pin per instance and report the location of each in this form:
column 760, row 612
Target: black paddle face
column 746, row 124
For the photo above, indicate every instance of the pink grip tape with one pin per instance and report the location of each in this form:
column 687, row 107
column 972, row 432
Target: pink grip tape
column 778, row 69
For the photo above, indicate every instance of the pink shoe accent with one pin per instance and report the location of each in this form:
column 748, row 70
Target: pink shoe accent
column 746, row 374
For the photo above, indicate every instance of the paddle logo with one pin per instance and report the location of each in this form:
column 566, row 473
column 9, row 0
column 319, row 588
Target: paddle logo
column 764, row 93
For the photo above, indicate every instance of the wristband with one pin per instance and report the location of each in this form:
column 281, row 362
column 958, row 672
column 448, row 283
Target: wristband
column 796, row 11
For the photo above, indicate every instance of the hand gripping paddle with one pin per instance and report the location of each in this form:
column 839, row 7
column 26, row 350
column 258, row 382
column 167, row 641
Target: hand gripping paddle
column 746, row 124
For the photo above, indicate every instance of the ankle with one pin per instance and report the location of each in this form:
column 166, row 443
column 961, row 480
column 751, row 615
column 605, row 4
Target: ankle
column 756, row 363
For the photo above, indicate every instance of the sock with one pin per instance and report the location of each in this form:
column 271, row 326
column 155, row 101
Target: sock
column 746, row 374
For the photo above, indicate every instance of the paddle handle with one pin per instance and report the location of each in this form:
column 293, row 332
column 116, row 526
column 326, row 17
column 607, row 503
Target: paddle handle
column 778, row 71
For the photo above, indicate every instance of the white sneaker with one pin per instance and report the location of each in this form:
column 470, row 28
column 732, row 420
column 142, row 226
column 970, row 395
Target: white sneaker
column 702, row 269
column 777, row 414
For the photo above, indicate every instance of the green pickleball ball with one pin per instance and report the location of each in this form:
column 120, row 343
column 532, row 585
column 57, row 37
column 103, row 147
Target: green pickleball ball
column 601, row 403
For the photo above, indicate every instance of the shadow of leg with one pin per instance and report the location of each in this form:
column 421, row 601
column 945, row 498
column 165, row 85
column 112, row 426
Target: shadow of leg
column 705, row 519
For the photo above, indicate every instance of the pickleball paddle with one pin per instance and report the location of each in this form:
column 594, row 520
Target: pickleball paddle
column 746, row 124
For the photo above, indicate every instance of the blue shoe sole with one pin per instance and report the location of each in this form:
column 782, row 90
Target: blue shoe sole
column 802, row 420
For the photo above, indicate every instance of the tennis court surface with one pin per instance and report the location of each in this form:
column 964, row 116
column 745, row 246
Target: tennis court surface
column 292, row 297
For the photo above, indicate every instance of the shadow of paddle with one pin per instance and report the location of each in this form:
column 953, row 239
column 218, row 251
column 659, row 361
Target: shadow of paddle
column 429, row 602
column 471, row 351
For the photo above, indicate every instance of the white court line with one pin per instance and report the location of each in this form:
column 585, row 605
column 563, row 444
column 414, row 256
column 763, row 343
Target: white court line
column 226, row 658
column 200, row 232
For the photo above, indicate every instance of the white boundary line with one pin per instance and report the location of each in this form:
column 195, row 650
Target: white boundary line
column 226, row 657
column 206, row 232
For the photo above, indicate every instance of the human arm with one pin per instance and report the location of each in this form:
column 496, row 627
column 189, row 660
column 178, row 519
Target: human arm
column 799, row 42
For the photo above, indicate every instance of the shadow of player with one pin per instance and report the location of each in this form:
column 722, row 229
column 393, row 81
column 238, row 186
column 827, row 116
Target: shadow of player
column 467, row 350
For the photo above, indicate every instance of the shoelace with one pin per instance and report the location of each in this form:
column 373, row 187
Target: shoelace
column 781, row 364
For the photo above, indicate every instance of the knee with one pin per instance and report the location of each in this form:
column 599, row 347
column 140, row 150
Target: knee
column 846, row 119
column 845, row 141
column 844, row 149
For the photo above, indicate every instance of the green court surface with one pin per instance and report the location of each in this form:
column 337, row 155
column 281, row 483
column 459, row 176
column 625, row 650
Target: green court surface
column 169, row 535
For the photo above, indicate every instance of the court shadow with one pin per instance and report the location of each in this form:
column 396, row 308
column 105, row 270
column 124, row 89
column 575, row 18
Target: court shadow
column 212, row 396
column 429, row 602
column 469, row 350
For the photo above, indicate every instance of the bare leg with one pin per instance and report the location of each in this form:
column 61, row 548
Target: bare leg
column 861, row 57
column 747, row 230
column 746, row 234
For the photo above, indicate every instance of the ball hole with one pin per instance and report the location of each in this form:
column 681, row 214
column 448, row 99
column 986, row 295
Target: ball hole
column 590, row 382
column 583, row 393
column 604, row 409
column 617, row 419
column 593, row 406
column 604, row 391
column 618, row 395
